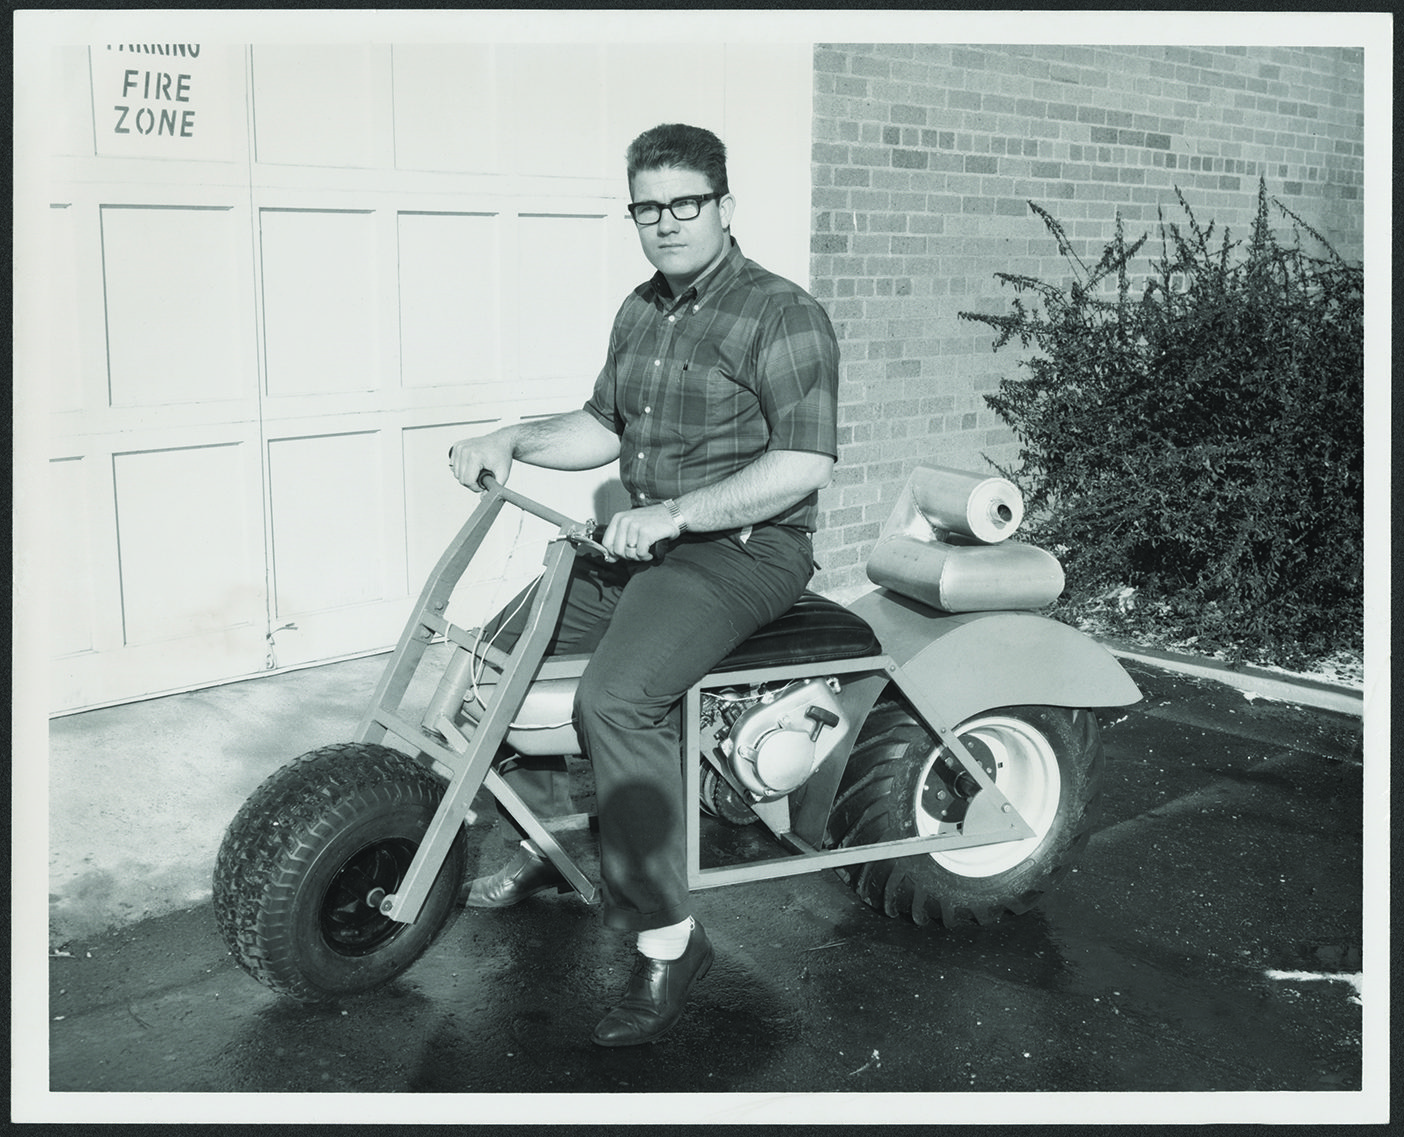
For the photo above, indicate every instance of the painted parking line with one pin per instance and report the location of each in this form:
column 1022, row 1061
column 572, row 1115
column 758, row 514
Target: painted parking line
column 1353, row 978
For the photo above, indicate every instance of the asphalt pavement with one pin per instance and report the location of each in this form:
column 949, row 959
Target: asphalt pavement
column 1214, row 957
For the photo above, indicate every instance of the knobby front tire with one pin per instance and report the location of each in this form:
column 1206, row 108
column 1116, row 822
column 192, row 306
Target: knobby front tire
column 305, row 862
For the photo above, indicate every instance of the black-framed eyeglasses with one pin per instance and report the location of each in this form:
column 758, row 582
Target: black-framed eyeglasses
column 682, row 208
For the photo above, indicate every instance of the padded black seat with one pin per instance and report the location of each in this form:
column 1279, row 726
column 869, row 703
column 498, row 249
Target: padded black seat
column 816, row 628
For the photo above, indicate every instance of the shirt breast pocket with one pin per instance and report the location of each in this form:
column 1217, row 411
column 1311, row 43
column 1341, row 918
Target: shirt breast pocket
column 696, row 403
column 732, row 409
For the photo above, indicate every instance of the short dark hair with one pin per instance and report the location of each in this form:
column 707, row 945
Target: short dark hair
column 674, row 144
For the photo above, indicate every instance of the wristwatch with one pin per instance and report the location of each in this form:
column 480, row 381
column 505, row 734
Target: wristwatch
column 676, row 514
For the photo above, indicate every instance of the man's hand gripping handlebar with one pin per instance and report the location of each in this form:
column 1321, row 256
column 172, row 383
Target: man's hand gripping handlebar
column 598, row 539
column 582, row 534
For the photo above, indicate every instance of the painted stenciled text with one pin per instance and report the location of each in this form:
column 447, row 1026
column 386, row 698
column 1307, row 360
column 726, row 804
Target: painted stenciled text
column 155, row 102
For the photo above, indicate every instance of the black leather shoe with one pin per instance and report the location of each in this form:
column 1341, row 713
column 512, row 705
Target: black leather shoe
column 523, row 876
column 657, row 989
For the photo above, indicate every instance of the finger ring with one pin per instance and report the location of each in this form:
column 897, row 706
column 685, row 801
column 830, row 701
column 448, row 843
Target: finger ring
column 632, row 545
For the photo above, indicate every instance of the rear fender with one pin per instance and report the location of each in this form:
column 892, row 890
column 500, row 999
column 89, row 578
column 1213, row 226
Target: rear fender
column 953, row 667
column 977, row 661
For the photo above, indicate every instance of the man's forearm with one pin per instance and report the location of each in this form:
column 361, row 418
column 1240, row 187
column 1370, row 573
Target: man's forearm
column 769, row 485
column 571, row 441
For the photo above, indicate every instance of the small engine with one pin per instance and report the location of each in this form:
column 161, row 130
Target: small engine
column 771, row 741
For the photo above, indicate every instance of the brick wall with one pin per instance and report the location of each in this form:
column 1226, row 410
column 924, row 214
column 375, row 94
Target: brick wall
column 924, row 159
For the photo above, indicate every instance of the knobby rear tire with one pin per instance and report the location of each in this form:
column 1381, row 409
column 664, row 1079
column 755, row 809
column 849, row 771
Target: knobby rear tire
column 1047, row 760
column 307, row 855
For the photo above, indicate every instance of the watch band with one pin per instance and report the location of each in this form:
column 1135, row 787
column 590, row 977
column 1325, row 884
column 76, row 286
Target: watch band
column 676, row 515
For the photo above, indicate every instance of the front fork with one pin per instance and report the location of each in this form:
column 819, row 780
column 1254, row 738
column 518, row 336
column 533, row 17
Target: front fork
column 470, row 754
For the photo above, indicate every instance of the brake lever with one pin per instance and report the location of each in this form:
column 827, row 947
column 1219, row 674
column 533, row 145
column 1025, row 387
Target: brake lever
column 586, row 536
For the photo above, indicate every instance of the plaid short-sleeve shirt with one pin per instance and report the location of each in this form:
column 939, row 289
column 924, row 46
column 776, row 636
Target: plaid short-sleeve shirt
column 699, row 386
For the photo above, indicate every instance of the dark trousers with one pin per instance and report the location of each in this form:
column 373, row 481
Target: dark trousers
column 653, row 630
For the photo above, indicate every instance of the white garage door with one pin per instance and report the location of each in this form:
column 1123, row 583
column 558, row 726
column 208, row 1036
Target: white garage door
column 283, row 279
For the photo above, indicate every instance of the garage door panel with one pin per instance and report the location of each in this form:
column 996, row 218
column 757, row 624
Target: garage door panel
column 70, row 557
column 322, row 105
column 63, row 381
column 172, row 305
column 326, row 496
column 321, row 301
column 445, row 108
column 450, row 299
column 563, row 343
column 650, row 83
column 72, row 120
column 436, row 506
column 183, row 530
column 553, row 111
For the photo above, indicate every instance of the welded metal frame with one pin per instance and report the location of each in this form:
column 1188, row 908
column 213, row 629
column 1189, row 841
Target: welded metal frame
column 436, row 734
column 991, row 819
column 995, row 822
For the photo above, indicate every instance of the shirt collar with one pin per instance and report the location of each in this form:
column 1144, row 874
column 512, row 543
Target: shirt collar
column 724, row 270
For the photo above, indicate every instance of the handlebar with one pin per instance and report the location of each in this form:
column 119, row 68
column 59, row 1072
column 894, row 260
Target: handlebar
column 489, row 483
column 582, row 534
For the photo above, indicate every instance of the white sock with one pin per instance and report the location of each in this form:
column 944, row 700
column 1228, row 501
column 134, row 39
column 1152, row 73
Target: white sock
column 666, row 943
